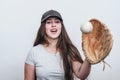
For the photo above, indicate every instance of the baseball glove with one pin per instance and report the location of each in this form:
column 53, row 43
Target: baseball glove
column 98, row 43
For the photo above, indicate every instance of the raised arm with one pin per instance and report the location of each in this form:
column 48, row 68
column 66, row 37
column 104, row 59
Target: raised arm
column 81, row 70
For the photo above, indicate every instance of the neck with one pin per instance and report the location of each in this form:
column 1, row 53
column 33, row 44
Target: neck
column 52, row 42
column 51, row 48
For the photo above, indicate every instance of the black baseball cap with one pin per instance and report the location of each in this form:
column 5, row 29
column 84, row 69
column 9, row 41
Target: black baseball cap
column 51, row 13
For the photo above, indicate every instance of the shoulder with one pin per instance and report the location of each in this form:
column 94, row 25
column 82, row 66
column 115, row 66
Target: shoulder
column 32, row 55
column 35, row 51
column 37, row 47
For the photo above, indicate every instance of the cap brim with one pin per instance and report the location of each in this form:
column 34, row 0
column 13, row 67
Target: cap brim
column 49, row 17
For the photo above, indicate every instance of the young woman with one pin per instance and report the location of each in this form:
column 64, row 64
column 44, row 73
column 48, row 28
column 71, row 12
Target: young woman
column 53, row 55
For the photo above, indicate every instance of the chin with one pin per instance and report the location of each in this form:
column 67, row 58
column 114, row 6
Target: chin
column 55, row 37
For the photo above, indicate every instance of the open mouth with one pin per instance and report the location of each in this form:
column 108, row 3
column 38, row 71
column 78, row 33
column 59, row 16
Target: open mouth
column 53, row 30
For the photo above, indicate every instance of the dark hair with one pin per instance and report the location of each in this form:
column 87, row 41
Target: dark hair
column 67, row 50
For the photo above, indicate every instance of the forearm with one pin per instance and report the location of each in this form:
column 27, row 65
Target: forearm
column 84, row 70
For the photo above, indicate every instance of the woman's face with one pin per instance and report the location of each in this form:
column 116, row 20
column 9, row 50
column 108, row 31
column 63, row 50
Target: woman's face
column 53, row 27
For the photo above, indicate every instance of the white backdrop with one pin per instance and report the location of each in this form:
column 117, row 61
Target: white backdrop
column 20, row 20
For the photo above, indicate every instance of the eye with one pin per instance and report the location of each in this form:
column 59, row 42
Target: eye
column 48, row 22
column 57, row 21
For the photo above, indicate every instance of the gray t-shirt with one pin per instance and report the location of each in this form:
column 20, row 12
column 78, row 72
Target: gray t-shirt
column 48, row 66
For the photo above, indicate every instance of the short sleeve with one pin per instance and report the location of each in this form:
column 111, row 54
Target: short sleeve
column 30, row 58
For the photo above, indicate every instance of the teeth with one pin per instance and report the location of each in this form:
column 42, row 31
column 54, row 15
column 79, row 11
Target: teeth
column 53, row 30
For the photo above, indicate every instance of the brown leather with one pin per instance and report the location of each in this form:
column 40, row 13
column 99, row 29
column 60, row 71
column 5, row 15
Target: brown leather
column 98, row 43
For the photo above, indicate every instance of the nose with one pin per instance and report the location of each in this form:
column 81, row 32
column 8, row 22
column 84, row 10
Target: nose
column 53, row 24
